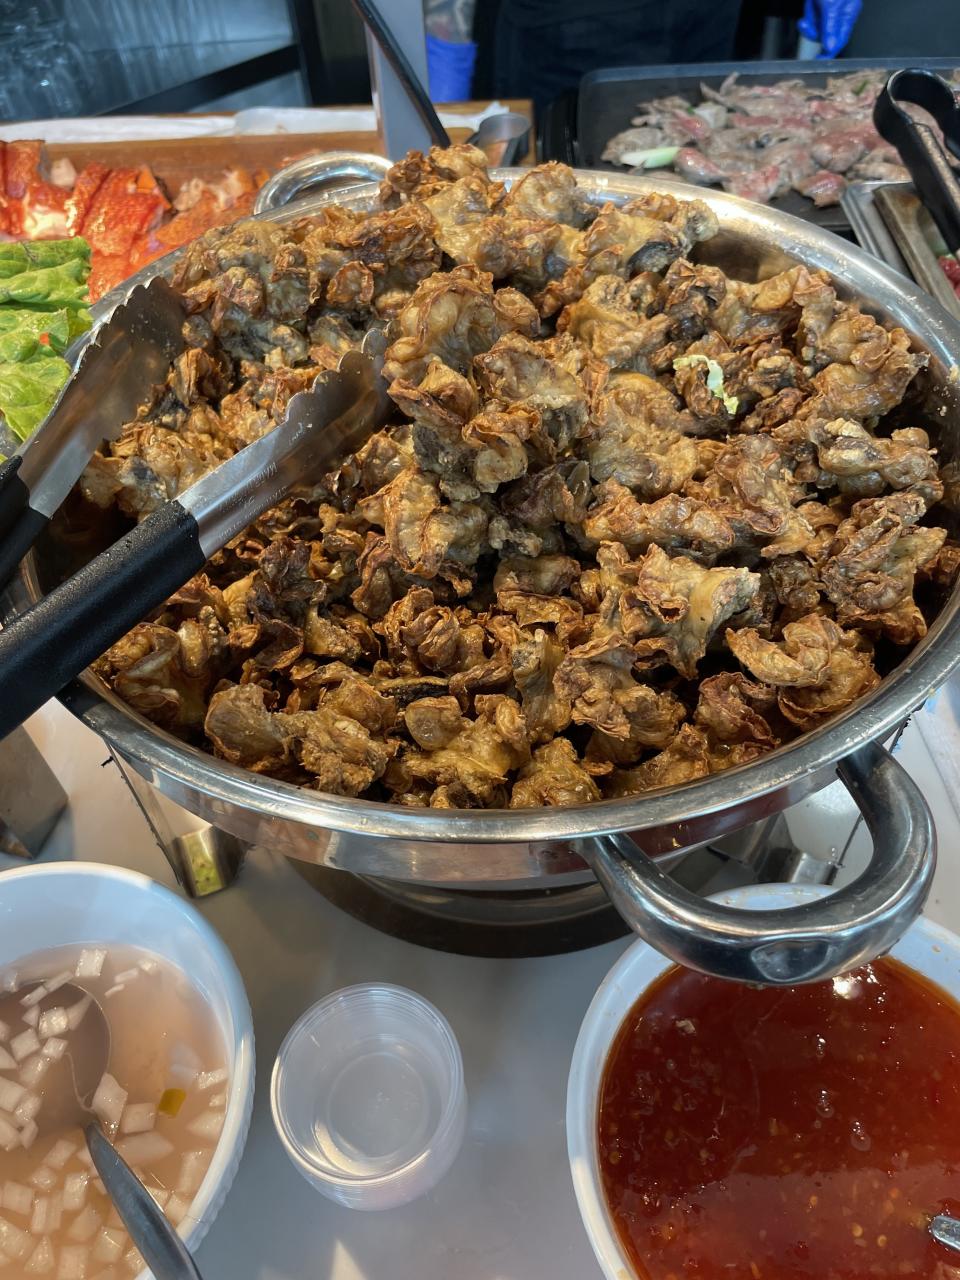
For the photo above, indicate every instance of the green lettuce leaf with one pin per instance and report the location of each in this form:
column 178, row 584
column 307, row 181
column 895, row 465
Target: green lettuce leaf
column 48, row 287
column 17, row 256
column 29, row 386
column 55, row 324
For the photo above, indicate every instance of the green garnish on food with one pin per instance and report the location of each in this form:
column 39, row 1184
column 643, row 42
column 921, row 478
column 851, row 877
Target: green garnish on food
column 171, row 1101
column 43, row 307
column 714, row 379
column 864, row 84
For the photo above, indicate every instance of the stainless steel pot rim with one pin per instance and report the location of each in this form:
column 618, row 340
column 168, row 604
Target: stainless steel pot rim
column 900, row 693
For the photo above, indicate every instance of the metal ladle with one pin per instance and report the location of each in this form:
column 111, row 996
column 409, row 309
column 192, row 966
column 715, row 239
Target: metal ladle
column 68, row 1088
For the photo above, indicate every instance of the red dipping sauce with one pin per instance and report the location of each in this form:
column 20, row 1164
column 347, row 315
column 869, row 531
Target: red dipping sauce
column 779, row 1133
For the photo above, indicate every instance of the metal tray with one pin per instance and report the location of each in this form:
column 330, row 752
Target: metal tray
column 609, row 98
column 888, row 219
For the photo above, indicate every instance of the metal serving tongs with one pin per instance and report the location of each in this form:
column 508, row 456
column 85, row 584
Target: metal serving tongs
column 45, row 648
column 919, row 147
column 131, row 351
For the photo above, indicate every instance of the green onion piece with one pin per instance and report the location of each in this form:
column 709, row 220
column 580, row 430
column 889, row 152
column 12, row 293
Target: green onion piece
column 652, row 158
column 714, row 379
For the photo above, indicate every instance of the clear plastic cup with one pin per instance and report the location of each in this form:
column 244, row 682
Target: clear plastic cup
column 368, row 1096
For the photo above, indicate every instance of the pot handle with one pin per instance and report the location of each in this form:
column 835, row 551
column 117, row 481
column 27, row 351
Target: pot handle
column 805, row 943
column 314, row 174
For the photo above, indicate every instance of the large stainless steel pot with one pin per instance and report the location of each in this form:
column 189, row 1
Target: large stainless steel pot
column 550, row 846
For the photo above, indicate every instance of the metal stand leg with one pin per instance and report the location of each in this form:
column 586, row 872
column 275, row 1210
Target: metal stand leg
column 761, row 854
column 203, row 858
column 31, row 798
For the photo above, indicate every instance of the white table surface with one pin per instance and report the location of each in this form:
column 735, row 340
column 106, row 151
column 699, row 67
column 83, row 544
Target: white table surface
column 506, row 1210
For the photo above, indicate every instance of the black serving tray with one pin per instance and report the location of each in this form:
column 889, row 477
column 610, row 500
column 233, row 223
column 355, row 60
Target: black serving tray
column 576, row 129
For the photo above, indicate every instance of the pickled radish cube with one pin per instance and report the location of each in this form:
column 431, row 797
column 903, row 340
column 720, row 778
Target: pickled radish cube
column 109, row 1101
column 47, row 1215
column 34, row 997
column 10, row 1095
column 75, row 1191
column 149, row 965
column 207, row 1125
column 4, row 1030
column 185, row 1066
column 109, row 1245
column 90, row 964
column 207, row 1079
column 128, row 975
column 114, row 1221
column 14, row 1243
column 176, row 1209
column 42, row 1261
column 133, row 1262
column 73, row 1262
column 144, row 1149
column 191, row 1171
column 76, row 1012
column 28, row 1108
column 85, row 1225
column 9, row 1137
column 84, row 1156
column 160, row 1196
column 24, row 1044
column 7, row 1061
column 54, row 1048
column 54, row 984
column 53, row 1023
column 60, row 1153
column 17, row 1198
column 28, row 1134
column 114, row 991
column 33, row 1070
column 32, row 1017
column 43, row 1178
column 138, row 1117
column 218, row 1101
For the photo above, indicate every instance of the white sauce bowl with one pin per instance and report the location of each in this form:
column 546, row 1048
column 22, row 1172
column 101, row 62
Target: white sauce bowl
column 62, row 904
column 925, row 947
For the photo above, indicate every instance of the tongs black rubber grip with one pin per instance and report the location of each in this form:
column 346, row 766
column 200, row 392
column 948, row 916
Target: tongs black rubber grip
column 49, row 645
column 918, row 145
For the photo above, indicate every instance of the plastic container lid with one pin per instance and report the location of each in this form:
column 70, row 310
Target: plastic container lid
column 368, row 1096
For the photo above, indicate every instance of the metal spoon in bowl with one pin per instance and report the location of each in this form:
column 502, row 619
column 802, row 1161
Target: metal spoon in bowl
column 68, row 1088
column 946, row 1230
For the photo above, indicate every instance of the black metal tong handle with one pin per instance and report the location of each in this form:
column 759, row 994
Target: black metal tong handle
column 50, row 644
column 919, row 146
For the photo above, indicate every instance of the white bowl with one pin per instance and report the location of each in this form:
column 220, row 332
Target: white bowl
column 73, row 902
column 925, row 947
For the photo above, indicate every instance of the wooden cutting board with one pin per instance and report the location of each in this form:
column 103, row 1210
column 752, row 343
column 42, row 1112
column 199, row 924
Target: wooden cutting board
column 176, row 160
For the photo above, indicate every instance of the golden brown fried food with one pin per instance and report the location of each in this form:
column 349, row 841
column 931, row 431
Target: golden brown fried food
column 630, row 523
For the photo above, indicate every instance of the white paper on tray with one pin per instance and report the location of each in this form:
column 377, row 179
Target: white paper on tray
column 255, row 120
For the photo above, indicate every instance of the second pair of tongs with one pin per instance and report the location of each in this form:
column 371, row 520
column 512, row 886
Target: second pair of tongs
column 919, row 147
column 45, row 648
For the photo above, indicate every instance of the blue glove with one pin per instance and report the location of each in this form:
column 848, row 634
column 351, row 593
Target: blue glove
column 830, row 23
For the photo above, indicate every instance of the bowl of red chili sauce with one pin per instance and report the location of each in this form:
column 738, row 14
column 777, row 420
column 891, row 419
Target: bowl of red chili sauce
column 717, row 1130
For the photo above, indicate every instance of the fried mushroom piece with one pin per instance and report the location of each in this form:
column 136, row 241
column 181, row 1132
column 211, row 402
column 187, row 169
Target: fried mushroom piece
column 766, row 309
column 477, row 755
column 674, row 522
column 418, row 175
column 607, row 320
column 753, row 486
column 844, row 454
column 166, row 674
column 343, row 755
column 646, row 234
column 667, row 608
column 517, row 371
column 454, row 316
column 554, row 776
column 875, row 558
column 636, row 436
column 817, row 667
column 550, row 192
column 421, row 532
column 596, row 679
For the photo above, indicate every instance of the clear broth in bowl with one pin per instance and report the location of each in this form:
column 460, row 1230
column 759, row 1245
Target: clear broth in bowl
column 167, row 1058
